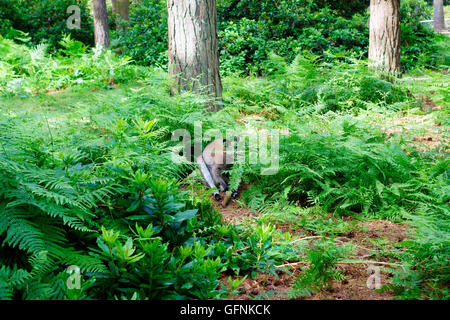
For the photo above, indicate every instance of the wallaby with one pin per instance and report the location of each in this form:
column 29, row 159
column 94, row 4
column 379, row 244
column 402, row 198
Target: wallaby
column 211, row 162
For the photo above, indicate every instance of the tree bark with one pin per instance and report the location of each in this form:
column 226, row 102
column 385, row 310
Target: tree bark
column 384, row 39
column 438, row 15
column 123, row 9
column 114, row 6
column 101, row 30
column 193, row 48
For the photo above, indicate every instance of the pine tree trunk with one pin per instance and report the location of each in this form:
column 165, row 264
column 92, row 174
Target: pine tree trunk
column 123, row 9
column 114, row 6
column 438, row 15
column 384, row 39
column 193, row 48
column 101, row 30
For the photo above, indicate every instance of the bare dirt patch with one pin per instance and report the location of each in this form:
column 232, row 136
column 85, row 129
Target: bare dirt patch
column 234, row 213
column 433, row 137
column 426, row 134
column 392, row 231
column 264, row 286
column 354, row 287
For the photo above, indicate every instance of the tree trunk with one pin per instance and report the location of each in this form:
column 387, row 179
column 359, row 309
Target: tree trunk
column 123, row 9
column 384, row 39
column 438, row 15
column 101, row 30
column 114, row 6
column 193, row 48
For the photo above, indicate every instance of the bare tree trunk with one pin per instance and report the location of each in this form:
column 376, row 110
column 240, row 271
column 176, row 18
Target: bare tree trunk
column 193, row 48
column 123, row 9
column 101, row 30
column 384, row 39
column 114, row 6
column 438, row 15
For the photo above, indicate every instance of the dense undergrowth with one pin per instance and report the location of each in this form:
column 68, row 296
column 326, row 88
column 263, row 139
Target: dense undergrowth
column 25, row 71
column 248, row 30
column 87, row 178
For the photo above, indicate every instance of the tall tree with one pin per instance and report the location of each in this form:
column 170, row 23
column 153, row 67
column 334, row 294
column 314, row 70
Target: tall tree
column 123, row 9
column 101, row 30
column 384, row 39
column 438, row 15
column 193, row 48
column 114, row 6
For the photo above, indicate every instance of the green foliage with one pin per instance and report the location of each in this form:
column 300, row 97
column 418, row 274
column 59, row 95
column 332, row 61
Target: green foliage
column 349, row 168
column 234, row 285
column 302, row 86
column 344, row 164
column 146, row 266
column 249, row 31
column 246, row 43
column 25, row 71
column 45, row 20
column 81, row 160
column 322, row 258
column 160, row 203
column 88, row 178
column 37, row 283
column 145, row 40
column 277, row 11
column 426, row 262
column 420, row 45
column 252, row 29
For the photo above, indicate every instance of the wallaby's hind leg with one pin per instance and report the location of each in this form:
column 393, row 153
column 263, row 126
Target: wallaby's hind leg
column 217, row 177
column 204, row 170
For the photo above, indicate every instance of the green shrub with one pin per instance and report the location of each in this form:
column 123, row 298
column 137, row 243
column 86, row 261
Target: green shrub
column 236, row 9
column 145, row 40
column 25, row 71
column 249, row 31
column 254, row 29
column 46, row 20
column 309, row 85
column 374, row 90
column 103, row 160
column 322, row 257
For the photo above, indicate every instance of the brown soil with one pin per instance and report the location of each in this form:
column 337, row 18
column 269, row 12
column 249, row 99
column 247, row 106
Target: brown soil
column 235, row 214
column 394, row 232
column 264, row 286
column 433, row 139
column 354, row 287
column 434, row 136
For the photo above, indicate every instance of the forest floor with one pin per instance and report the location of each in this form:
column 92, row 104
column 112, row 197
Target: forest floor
column 374, row 238
column 367, row 236
column 377, row 241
